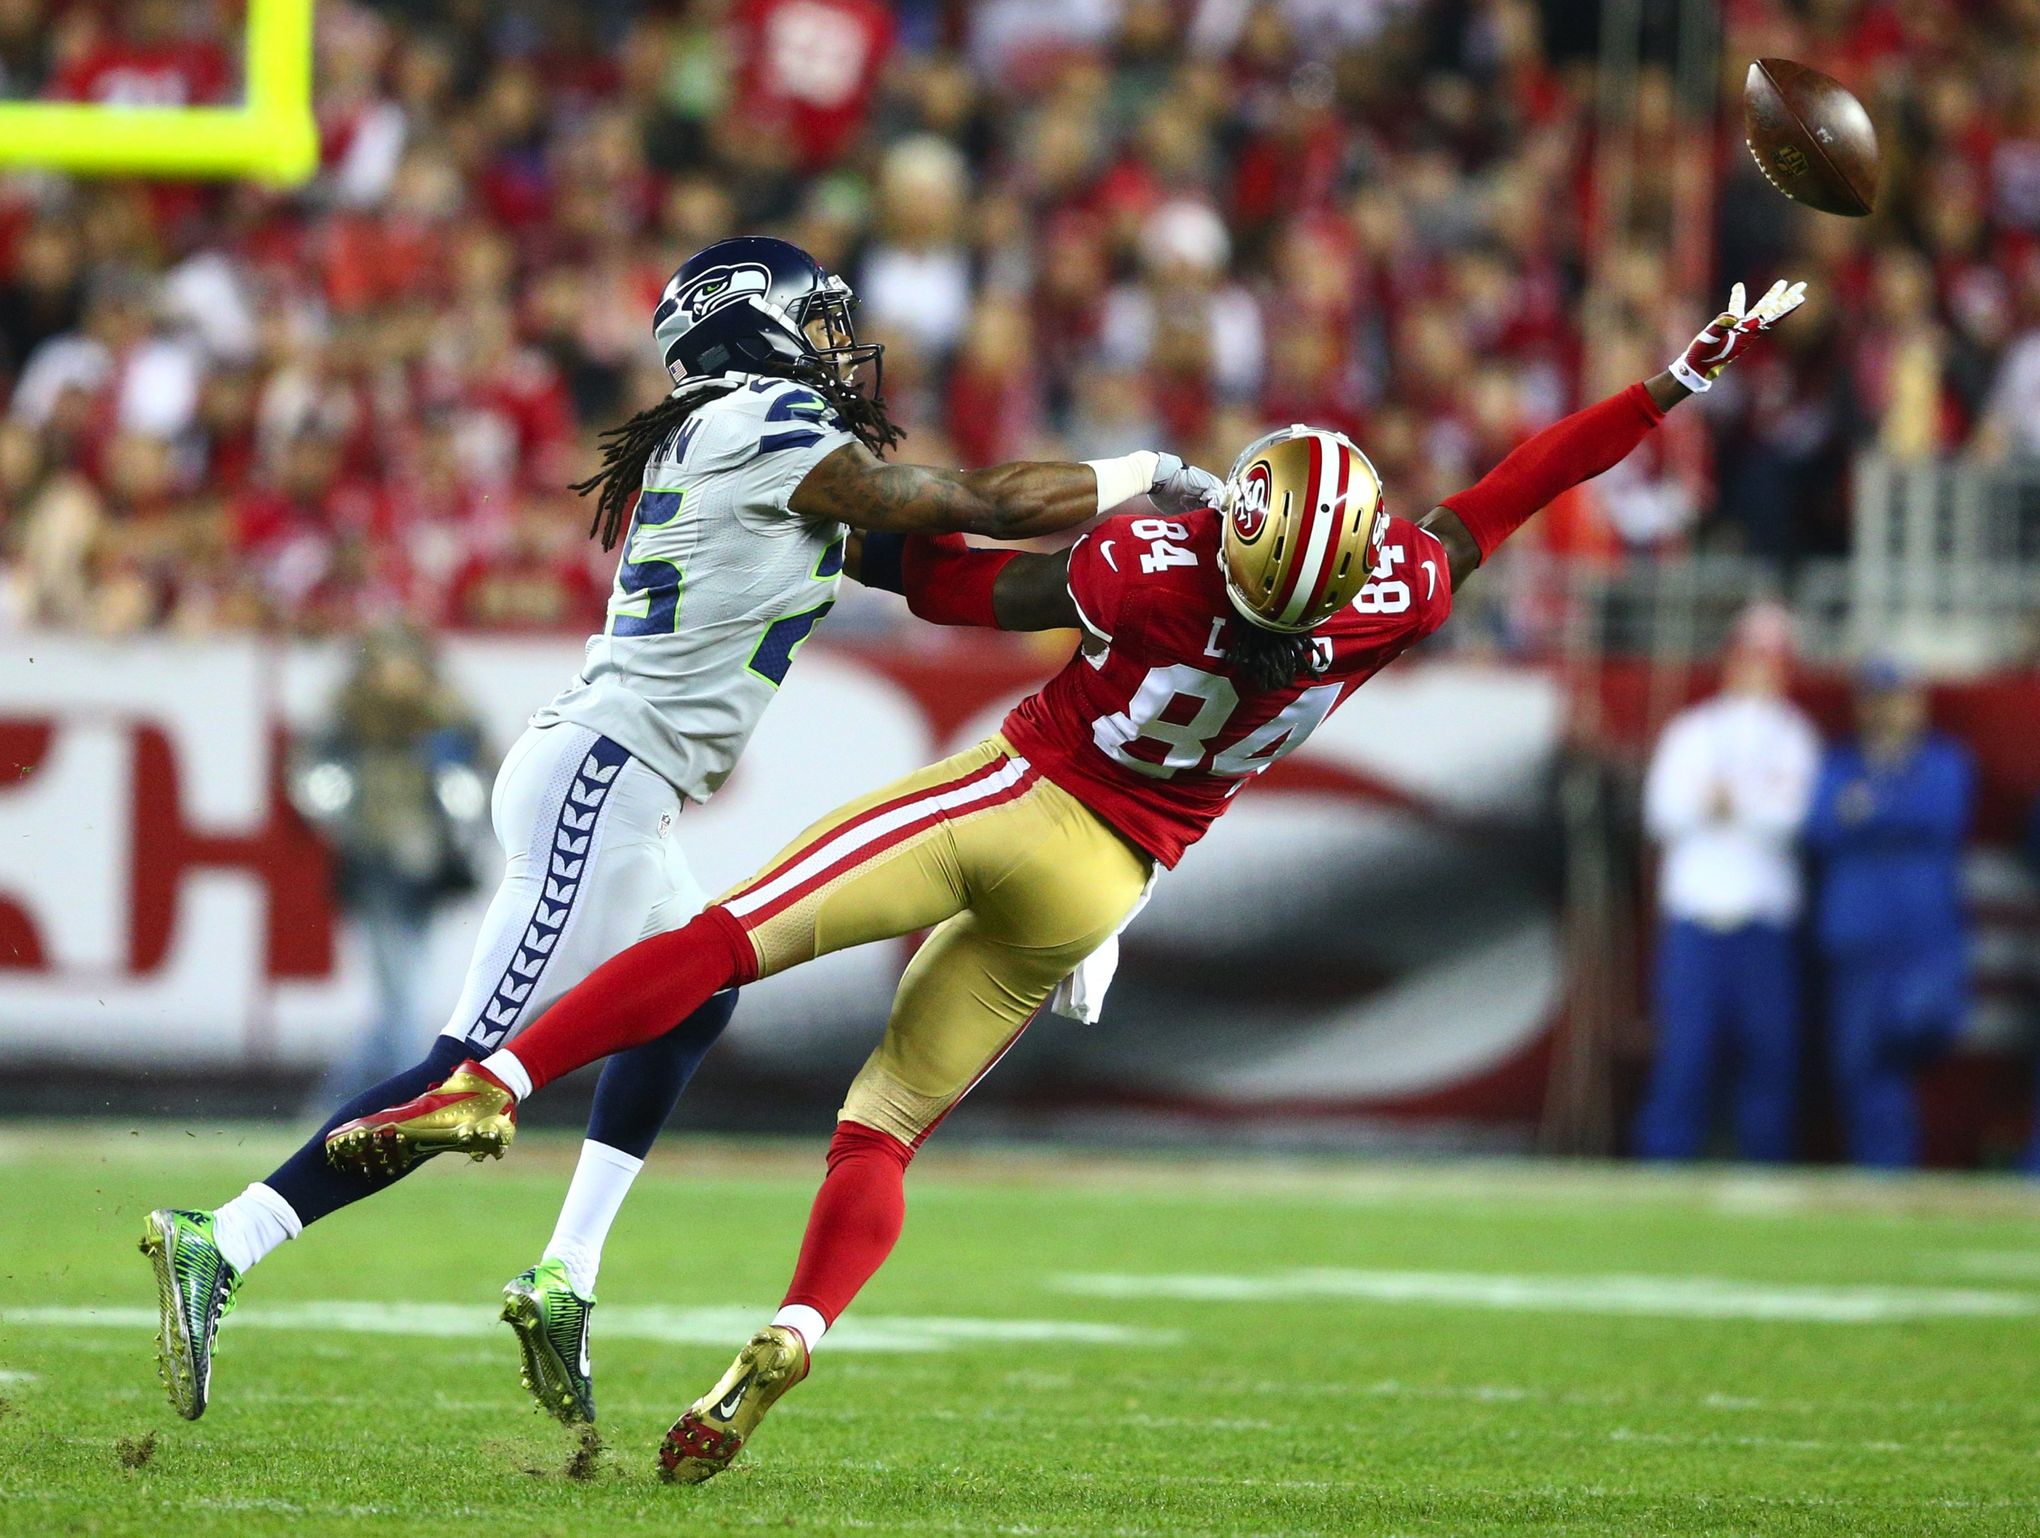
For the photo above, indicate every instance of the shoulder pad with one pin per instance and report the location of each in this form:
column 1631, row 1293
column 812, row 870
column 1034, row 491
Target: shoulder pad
column 789, row 402
column 764, row 417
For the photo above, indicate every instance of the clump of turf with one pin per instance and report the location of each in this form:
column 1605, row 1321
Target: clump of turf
column 135, row 1452
column 586, row 1460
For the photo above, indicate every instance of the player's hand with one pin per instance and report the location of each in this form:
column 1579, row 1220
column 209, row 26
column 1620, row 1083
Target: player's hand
column 1726, row 337
column 1182, row 488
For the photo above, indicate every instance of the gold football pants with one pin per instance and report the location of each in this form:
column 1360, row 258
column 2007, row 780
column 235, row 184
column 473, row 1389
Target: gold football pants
column 1019, row 880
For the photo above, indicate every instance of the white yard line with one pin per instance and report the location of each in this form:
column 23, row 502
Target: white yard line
column 1999, row 1265
column 1669, row 1297
column 722, row 1326
column 1567, row 1398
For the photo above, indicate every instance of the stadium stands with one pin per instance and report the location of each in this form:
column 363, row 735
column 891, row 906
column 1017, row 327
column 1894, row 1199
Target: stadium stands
column 1080, row 225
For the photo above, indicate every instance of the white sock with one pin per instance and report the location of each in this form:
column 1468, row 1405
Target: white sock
column 601, row 1181
column 504, row 1065
column 253, row 1224
column 805, row 1322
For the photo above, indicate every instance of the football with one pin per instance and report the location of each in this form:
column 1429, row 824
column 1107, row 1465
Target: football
column 1812, row 139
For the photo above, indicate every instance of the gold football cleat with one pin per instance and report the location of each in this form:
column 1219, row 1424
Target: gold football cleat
column 715, row 1428
column 473, row 1113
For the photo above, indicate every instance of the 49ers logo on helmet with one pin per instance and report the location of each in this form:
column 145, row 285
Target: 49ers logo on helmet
column 1250, row 507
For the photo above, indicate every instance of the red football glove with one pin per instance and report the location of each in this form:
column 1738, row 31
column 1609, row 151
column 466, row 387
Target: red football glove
column 1726, row 337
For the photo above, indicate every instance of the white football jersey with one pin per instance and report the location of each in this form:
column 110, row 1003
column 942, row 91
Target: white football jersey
column 718, row 586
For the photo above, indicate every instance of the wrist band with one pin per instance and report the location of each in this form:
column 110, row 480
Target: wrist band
column 1689, row 376
column 1123, row 479
column 880, row 566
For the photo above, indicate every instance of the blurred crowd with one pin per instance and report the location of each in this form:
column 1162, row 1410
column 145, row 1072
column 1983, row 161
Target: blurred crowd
column 1081, row 226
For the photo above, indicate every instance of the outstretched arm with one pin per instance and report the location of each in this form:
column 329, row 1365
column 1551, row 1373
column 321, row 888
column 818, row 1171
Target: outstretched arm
column 1471, row 523
column 1577, row 448
column 1016, row 501
column 948, row 582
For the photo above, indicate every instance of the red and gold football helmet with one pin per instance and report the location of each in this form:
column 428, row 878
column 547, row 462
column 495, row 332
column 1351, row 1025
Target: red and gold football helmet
column 1302, row 513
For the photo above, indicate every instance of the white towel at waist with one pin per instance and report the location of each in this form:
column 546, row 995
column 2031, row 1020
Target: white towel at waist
column 1081, row 995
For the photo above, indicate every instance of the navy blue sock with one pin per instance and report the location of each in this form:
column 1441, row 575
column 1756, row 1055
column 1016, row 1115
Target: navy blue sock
column 311, row 1185
column 639, row 1088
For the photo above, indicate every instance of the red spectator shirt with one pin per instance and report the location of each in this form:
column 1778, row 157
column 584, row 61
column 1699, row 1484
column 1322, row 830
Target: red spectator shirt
column 1148, row 726
column 169, row 74
column 809, row 68
column 527, row 591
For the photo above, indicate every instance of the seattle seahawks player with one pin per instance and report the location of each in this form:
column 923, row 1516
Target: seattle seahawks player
column 732, row 500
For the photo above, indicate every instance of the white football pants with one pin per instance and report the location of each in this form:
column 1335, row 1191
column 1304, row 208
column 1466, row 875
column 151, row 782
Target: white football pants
column 593, row 868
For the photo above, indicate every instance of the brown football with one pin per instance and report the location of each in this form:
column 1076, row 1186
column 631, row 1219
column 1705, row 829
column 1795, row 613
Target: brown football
column 1811, row 138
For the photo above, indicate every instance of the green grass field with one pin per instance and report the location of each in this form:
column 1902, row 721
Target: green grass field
column 1061, row 1345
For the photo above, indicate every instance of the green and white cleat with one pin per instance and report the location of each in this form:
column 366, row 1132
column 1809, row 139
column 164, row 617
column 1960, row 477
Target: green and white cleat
column 551, row 1321
column 195, row 1290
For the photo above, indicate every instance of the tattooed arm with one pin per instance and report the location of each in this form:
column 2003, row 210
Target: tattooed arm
column 1016, row 501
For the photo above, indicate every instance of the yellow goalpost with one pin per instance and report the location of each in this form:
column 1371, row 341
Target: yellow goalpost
column 269, row 137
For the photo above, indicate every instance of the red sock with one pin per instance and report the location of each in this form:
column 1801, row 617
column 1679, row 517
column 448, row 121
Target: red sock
column 855, row 1221
column 637, row 994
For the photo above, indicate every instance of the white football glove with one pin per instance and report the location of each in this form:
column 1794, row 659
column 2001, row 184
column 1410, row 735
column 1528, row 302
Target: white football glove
column 1179, row 487
column 1725, row 338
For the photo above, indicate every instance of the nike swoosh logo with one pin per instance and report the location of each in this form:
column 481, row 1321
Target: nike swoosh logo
column 735, row 1397
column 587, row 1367
column 1105, row 553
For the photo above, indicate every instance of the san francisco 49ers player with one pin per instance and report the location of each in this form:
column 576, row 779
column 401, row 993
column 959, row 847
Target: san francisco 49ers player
column 1212, row 645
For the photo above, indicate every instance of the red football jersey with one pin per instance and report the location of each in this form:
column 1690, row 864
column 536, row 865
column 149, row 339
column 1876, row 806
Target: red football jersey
column 1148, row 726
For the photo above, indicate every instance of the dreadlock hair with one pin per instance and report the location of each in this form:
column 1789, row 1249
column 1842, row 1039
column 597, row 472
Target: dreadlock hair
column 1268, row 659
column 628, row 447
column 863, row 416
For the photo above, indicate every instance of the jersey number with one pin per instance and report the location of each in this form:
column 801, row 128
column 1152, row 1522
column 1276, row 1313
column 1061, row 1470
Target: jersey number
column 1385, row 592
column 772, row 658
column 1164, row 548
column 1180, row 709
column 649, row 584
column 647, row 600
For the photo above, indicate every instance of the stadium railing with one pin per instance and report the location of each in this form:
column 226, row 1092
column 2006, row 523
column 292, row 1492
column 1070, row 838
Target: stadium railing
column 1946, row 563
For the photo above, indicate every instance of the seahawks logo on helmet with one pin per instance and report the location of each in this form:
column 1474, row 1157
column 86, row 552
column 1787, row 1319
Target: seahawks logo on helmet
column 720, row 286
